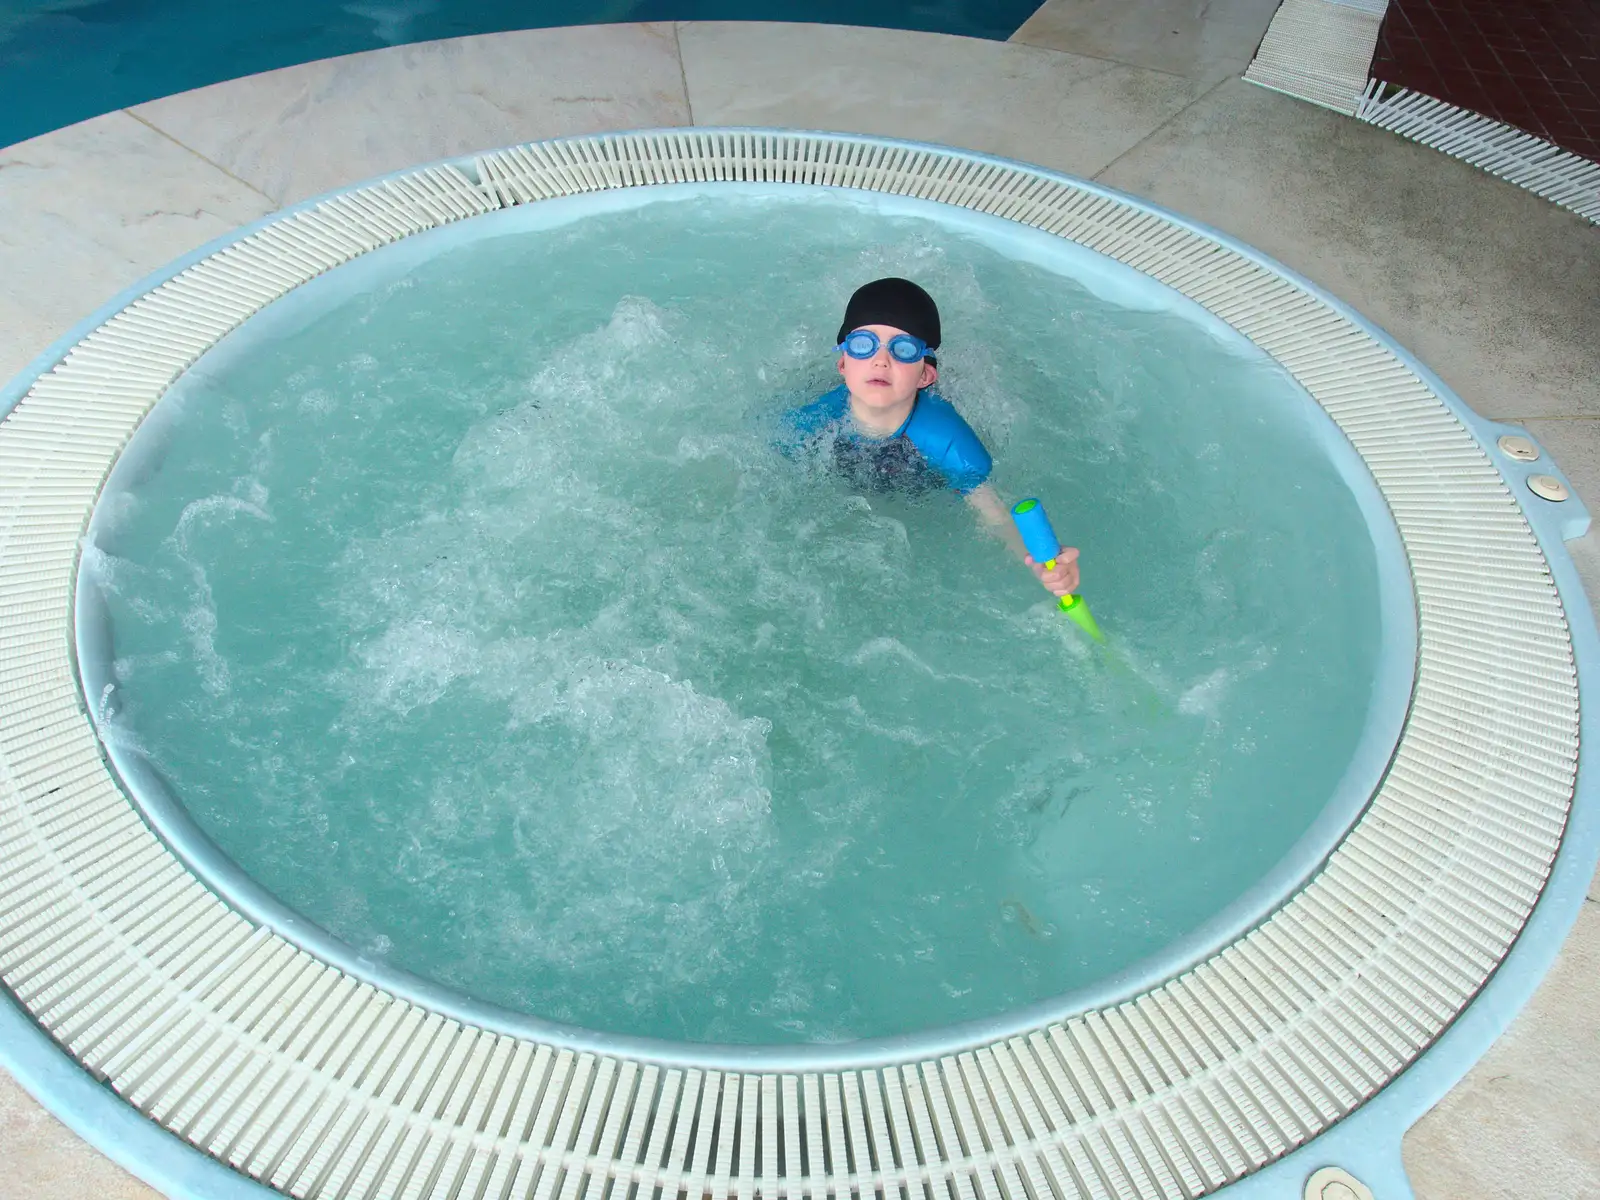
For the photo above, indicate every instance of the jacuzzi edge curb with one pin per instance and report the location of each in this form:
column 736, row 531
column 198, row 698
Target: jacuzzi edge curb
column 108, row 1122
column 1392, row 694
column 1542, row 927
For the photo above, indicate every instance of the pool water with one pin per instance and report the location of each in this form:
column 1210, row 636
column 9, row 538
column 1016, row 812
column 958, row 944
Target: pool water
column 67, row 60
column 465, row 602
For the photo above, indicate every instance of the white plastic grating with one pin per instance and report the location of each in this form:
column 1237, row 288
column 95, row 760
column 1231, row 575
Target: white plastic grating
column 324, row 1086
column 1319, row 50
column 1521, row 158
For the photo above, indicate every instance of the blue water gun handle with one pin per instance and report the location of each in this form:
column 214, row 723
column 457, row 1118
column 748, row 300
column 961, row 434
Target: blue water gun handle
column 1043, row 545
column 1041, row 540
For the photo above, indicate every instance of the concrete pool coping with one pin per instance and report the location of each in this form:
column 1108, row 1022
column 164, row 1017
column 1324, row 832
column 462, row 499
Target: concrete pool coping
column 788, row 32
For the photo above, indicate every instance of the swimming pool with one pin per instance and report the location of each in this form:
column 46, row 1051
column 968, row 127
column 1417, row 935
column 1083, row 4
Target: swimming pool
column 1188, row 1085
column 68, row 60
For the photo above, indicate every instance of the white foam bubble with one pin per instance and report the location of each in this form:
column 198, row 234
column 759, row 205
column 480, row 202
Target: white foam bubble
column 1204, row 699
column 413, row 662
column 200, row 623
column 200, row 512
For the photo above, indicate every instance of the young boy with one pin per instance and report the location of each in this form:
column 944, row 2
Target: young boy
column 888, row 431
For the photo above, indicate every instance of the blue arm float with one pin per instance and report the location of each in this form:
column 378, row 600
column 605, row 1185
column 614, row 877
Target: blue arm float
column 1041, row 540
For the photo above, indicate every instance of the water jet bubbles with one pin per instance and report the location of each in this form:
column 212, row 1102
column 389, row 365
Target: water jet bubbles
column 564, row 648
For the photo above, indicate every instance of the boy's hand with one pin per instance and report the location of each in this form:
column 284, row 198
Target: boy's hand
column 1062, row 580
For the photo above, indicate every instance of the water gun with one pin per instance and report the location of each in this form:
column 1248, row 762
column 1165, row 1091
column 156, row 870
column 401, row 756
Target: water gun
column 1043, row 545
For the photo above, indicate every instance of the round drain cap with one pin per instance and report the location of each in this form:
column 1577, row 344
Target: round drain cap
column 1547, row 487
column 1331, row 1183
column 1520, row 448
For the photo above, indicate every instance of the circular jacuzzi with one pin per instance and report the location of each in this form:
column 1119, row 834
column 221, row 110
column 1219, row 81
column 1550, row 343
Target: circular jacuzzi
column 1129, row 920
column 473, row 603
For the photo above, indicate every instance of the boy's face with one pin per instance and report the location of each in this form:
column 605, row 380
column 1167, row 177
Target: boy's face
column 883, row 381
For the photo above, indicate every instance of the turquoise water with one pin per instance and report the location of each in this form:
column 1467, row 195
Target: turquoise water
column 67, row 60
column 465, row 603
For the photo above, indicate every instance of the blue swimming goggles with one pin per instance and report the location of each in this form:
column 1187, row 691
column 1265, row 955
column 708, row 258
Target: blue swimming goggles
column 863, row 343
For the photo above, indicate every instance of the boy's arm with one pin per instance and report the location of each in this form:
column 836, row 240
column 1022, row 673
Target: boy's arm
column 1062, row 580
column 996, row 517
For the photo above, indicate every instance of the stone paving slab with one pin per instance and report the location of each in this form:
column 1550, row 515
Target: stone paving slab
column 1207, row 42
column 1490, row 285
column 41, row 1159
column 88, row 211
column 1523, row 1124
column 1064, row 111
column 305, row 130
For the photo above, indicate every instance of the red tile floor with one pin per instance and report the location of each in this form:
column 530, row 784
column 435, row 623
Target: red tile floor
column 1534, row 64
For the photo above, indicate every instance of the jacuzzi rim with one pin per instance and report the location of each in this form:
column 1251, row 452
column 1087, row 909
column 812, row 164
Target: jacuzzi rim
column 1363, row 1133
column 1392, row 686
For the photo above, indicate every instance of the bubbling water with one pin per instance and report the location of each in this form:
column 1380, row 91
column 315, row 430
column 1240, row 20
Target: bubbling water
column 476, row 616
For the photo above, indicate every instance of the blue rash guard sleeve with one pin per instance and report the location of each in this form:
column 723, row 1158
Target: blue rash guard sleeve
column 934, row 430
column 938, row 431
column 800, row 425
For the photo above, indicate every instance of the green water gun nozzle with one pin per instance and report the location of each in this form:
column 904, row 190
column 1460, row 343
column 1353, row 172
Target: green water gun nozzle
column 1043, row 546
column 1078, row 611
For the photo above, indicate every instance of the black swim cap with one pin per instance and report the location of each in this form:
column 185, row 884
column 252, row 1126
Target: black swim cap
column 897, row 302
